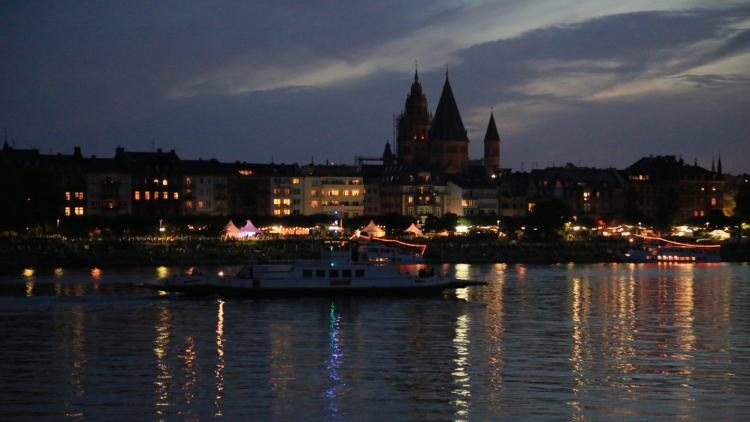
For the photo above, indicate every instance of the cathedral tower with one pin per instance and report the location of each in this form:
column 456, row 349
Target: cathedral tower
column 492, row 146
column 449, row 144
column 413, row 123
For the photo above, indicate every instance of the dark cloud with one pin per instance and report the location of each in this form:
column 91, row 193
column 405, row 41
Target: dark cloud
column 105, row 74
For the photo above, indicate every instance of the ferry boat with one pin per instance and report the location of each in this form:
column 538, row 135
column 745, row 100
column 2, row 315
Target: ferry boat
column 337, row 272
column 672, row 252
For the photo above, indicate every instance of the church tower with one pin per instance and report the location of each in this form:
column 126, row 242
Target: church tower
column 492, row 146
column 449, row 144
column 413, row 123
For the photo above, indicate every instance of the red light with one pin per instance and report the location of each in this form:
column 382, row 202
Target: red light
column 672, row 242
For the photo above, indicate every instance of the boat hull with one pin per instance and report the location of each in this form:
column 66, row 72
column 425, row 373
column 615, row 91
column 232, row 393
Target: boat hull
column 244, row 291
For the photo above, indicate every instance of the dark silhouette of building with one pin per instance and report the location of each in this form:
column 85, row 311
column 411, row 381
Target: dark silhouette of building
column 492, row 147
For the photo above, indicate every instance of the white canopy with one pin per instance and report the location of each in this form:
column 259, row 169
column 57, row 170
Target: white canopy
column 413, row 229
column 373, row 230
column 231, row 231
column 248, row 230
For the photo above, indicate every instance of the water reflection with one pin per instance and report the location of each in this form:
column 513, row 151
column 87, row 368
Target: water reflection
column 219, row 371
column 461, row 379
column 161, row 348
column 334, row 362
column 493, row 321
column 77, row 339
column 557, row 342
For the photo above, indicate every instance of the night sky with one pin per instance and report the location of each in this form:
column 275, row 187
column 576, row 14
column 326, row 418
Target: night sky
column 596, row 83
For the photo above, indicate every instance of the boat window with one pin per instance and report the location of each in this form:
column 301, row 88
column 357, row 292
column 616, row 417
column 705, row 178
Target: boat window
column 307, row 273
column 346, row 273
column 320, row 273
column 359, row 273
column 333, row 273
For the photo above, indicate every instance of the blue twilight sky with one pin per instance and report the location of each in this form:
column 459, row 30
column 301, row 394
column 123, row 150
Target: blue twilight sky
column 592, row 82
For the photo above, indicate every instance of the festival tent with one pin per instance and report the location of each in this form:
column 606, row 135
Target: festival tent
column 413, row 229
column 231, row 231
column 248, row 230
column 719, row 235
column 373, row 230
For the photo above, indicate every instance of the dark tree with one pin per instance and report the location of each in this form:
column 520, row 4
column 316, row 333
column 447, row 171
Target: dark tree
column 549, row 217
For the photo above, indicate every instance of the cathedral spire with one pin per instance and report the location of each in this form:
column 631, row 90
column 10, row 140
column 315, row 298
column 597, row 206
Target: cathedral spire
column 491, row 134
column 718, row 166
column 447, row 124
column 492, row 146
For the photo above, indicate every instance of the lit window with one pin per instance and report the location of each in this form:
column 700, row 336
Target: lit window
column 189, row 205
column 276, row 212
column 464, row 203
column 176, row 195
column 410, row 200
column 67, row 211
column 713, row 201
column 165, row 195
column 276, row 191
column 531, row 206
column 188, row 181
column 287, row 211
column 334, row 191
column 147, row 195
column 346, row 192
column 164, row 182
column 156, row 194
column 246, row 172
column 313, row 192
column 110, row 205
column 314, row 204
column 201, row 204
column 79, row 195
column 287, row 201
column 67, row 196
column 276, row 201
column 295, row 181
column 137, row 195
column 78, row 210
column 355, row 192
column 156, row 181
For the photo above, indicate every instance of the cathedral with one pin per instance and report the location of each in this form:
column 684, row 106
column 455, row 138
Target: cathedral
column 440, row 140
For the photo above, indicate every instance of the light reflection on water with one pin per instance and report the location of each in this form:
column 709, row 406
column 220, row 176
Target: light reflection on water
column 575, row 342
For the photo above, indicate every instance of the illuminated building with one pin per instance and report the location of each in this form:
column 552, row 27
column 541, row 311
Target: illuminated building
column 154, row 177
column 109, row 189
column 204, row 188
column 332, row 188
column 668, row 190
column 471, row 196
column 413, row 191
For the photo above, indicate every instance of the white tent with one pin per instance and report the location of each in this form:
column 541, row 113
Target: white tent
column 719, row 235
column 373, row 230
column 231, row 231
column 413, row 229
column 248, row 230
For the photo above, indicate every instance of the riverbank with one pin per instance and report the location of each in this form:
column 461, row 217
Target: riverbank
column 52, row 252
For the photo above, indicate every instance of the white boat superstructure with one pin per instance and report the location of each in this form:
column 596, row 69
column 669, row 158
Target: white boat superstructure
column 337, row 271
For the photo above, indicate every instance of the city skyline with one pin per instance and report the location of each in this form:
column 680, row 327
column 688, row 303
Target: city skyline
column 596, row 84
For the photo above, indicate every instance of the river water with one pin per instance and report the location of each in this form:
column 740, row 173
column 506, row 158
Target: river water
column 564, row 342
